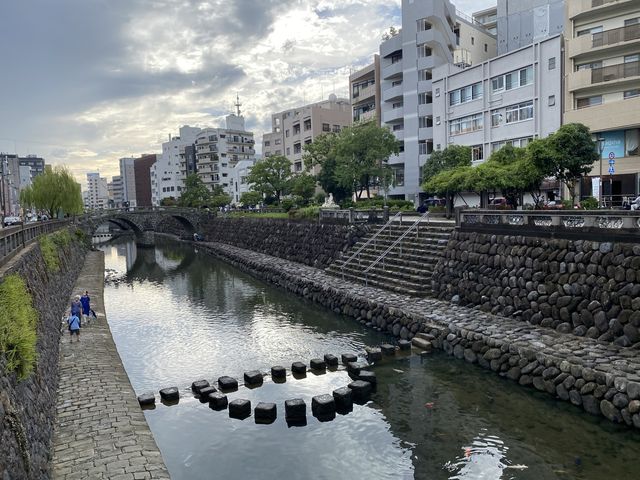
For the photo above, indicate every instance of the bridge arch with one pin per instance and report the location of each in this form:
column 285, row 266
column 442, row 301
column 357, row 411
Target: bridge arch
column 185, row 223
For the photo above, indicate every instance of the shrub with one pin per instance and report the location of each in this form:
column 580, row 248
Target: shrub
column 287, row 204
column 49, row 245
column 437, row 209
column 567, row 204
column 319, row 198
column 18, row 321
column 307, row 213
column 589, row 203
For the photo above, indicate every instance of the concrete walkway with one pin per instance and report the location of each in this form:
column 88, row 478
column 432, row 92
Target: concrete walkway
column 100, row 430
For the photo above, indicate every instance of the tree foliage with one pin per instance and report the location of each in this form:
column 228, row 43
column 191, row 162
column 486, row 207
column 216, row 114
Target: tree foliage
column 451, row 157
column 303, row 186
column 271, row 176
column 251, row 198
column 195, row 193
column 322, row 153
column 54, row 191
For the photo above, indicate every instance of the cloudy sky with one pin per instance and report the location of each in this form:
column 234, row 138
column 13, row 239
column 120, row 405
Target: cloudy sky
column 85, row 82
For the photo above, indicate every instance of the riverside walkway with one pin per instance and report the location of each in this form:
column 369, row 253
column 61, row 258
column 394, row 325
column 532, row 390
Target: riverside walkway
column 100, row 430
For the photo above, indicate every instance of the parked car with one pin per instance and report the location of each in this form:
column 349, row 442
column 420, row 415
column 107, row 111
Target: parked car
column 8, row 221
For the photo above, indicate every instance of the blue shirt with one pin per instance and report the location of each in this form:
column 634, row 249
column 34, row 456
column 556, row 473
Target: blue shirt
column 84, row 300
column 75, row 308
column 74, row 322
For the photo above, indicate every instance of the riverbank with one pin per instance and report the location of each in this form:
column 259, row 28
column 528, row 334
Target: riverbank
column 100, row 431
column 600, row 378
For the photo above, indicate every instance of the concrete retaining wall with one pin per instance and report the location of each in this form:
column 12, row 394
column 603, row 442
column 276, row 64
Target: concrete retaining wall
column 27, row 408
column 581, row 287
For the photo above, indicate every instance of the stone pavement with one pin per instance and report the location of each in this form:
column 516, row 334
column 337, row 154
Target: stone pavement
column 100, row 430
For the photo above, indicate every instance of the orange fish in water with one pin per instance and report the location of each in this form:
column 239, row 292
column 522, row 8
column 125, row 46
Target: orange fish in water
column 467, row 452
column 429, row 404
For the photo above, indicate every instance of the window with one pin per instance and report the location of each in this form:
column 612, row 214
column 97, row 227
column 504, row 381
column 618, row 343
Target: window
column 423, row 50
column 437, row 92
column 486, row 48
column 632, row 142
column 473, row 41
column 632, row 93
column 589, row 101
column 286, row 133
column 297, row 148
column 396, row 83
column 477, row 153
column 425, row 122
column 278, row 141
column 519, row 113
column 336, row 129
column 422, row 147
column 496, row 118
column 267, row 143
column 511, row 80
column 396, row 57
column 632, row 58
column 470, row 123
column 437, row 120
column 296, row 129
column 424, row 98
column 516, row 142
column 424, row 74
column 552, row 63
column 288, row 150
column 589, row 66
column 423, row 25
column 589, row 31
column 326, row 127
column 552, row 100
column 397, row 105
column 298, row 166
column 632, row 21
column 497, row 84
column 307, row 124
column 278, row 152
column 466, row 94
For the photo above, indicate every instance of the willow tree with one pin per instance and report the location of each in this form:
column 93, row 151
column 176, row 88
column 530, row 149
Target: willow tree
column 54, row 191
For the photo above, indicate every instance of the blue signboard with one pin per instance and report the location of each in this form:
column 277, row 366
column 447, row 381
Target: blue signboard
column 613, row 144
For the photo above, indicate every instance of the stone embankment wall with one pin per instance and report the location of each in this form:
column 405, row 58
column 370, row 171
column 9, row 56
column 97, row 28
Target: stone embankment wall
column 589, row 289
column 310, row 243
column 28, row 407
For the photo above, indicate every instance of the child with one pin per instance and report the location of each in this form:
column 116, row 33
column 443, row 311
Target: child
column 74, row 326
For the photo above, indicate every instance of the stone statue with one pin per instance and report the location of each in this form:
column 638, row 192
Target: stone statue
column 329, row 203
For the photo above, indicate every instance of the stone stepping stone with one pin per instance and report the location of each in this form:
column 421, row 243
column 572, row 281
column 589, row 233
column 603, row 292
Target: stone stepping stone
column 421, row 344
column 218, row 401
column 331, row 360
column 343, row 398
column 240, row 409
column 361, row 390
column 367, row 376
column 374, row 354
column 354, row 368
column 404, row 344
column 299, row 368
column 323, row 405
column 227, row 384
column 146, row 399
column 170, row 394
column 348, row 358
column 295, row 409
column 278, row 373
column 253, row 377
column 205, row 392
column 318, row 364
column 265, row 413
column 199, row 385
column 388, row 349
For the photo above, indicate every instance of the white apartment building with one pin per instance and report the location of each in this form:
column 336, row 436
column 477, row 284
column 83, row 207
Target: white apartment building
column 97, row 193
column 219, row 150
column 128, row 175
column 238, row 179
column 510, row 99
column 116, row 191
column 166, row 175
column 294, row 128
column 431, row 35
column 602, row 91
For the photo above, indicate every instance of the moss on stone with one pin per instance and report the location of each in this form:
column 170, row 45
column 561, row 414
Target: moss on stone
column 18, row 322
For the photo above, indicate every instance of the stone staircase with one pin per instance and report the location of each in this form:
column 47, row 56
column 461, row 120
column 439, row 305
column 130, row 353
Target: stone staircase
column 407, row 268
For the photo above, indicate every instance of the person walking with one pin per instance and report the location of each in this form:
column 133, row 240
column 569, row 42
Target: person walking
column 76, row 306
column 85, row 301
column 74, row 326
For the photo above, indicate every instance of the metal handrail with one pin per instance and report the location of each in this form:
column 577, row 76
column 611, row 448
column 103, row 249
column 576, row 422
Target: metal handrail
column 368, row 242
column 384, row 254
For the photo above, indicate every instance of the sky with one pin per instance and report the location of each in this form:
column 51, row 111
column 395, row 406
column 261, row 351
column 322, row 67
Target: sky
column 86, row 82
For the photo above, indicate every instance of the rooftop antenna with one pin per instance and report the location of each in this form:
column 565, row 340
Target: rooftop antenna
column 238, row 104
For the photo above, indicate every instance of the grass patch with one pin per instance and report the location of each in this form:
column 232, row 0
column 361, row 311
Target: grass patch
column 18, row 321
column 50, row 245
column 257, row 215
column 307, row 213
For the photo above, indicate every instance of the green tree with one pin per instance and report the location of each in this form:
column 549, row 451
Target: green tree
column 271, row 176
column 168, row 202
column 251, row 198
column 451, row 157
column 195, row 193
column 304, row 187
column 54, row 191
column 571, row 154
column 322, row 153
column 219, row 197
column 362, row 152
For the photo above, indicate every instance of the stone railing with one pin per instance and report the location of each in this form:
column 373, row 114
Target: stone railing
column 14, row 239
column 617, row 222
column 372, row 215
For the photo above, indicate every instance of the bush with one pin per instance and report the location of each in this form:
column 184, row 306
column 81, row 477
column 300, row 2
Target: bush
column 49, row 246
column 18, row 322
column 319, row 198
column 567, row 204
column 287, row 204
column 437, row 209
column 590, row 203
column 307, row 213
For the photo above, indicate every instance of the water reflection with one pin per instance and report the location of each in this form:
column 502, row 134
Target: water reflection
column 180, row 316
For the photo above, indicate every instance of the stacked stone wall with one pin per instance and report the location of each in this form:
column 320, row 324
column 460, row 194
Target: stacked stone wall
column 27, row 407
column 590, row 289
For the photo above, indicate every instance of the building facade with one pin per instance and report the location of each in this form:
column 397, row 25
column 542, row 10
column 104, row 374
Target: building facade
column 508, row 100
column 142, row 172
column 364, row 86
column 97, row 193
column 116, row 192
column 602, row 91
column 128, row 175
column 294, row 128
column 238, row 179
column 431, row 35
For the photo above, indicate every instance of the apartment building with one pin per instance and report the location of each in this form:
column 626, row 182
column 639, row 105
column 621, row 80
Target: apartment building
column 510, row 99
column 488, row 18
column 364, row 86
column 218, row 151
column 294, row 128
column 142, row 170
column 238, row 179
column 522, row 22
column 602, row 91
column 431, row 35
column 128, row 175
column 97, row 193
column 166, row 175
column 116, row 195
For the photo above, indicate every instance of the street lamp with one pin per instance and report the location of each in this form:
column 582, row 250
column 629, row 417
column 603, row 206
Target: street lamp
column 600, row 141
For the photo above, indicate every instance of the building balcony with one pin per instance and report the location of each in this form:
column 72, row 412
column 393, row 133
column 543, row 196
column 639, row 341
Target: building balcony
column 399, row 134
column 389, row 46
column 364, row 94
column 396, row 159
column 426, row 62
column 611, row 75
column 616, row 39
column 366, row 116
column 608, row 116
column 585, row 8
column 435, row 37
column 391, row 94
column 393, row 116
column 391, row 71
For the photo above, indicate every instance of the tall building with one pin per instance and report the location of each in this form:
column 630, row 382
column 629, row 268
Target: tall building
column 432, row 35
column 97, row 193
column 294, row 128
column 17, row 173
column 510, row 99
column 117, row 191
column 602, row 90
column 218, row 151
column 34, row 163
column 166, row 173
column 238, row 179
column 128, row 175
column 488, row 18
column 142, row 172
column 364, row 86
column 522, row 22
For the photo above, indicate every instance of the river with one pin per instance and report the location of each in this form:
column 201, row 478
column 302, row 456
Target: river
column 178, row 315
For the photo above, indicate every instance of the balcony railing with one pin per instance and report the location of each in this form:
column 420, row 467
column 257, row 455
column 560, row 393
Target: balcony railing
column 615, row 72
column 616, row 35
